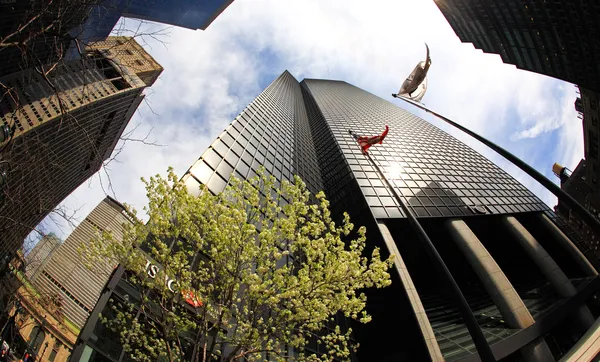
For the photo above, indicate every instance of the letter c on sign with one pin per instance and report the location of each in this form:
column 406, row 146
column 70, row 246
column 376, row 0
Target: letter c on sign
column 170, row 285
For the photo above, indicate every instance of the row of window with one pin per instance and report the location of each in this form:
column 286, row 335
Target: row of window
column 435, row 173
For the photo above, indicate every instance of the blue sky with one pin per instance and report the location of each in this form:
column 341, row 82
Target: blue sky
column 210, row 76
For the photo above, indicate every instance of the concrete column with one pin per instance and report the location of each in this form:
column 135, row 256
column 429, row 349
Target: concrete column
column 567, row 245
column 551, row 271
column 495, row 282
column 413, row 296
column 587, row 347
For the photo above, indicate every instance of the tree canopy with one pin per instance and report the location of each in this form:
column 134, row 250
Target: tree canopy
column 259, row 271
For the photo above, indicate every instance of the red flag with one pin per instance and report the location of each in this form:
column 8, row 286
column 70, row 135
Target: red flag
column 191, row 298
column 365, row 142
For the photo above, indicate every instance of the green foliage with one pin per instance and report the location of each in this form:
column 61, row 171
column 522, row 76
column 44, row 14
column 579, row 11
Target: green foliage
column 271, row 269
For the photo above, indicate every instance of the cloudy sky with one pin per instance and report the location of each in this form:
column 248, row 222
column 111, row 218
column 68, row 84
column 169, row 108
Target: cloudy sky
column 211, row 75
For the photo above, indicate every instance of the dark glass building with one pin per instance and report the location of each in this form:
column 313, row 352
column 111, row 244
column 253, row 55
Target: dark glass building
column 44, row 30
column 557, row 38
column 191, row 14
column 37, row 31
column 529, row 287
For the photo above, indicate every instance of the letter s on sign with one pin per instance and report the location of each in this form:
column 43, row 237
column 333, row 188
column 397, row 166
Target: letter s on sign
column 152, row 271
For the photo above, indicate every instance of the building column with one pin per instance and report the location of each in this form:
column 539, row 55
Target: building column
column 567, row 245
column 413, row 297
column 551, row 271
column 495, row 282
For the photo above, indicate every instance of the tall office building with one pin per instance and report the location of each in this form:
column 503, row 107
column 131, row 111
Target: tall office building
column 583, row 183
column 40, row 255
column 36, row 33
column 67, row 124
column 65, row 274
column 103, row 17
column 517, row 269
column 557, row 38
column 43, row 32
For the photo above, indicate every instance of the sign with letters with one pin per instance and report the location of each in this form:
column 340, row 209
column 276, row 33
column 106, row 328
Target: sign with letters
column 189, row 295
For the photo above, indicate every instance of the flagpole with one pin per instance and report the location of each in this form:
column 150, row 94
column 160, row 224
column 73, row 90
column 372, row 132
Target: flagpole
column 543, row 180
column 483, row 348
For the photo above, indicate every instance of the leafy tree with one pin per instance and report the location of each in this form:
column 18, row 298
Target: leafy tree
column 271, row 269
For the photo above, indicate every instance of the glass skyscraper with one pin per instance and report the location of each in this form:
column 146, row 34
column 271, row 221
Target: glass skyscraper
column 522, row 277
column 190, row 14
column 552, row 37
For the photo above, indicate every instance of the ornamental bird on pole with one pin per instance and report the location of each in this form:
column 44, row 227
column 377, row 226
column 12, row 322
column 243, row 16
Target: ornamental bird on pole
column 415, row 86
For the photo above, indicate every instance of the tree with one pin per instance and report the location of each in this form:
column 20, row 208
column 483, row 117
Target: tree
column 257, row 271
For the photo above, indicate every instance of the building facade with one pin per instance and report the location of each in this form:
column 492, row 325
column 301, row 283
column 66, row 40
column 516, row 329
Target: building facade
column 37, row 258
column 42, row 329
column 65, row 274
column 44, row 32
column 103, row 17
column 556, row 38
column 518, row 270
column 32, row 321
column 583, row 183
column 66, row 125
column 37, row 32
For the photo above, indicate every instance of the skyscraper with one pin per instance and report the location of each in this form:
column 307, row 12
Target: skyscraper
column 516, row 268
column 35, row 33
column 583, row 183
column 67, row 124
column 65, row 274
column 40, row 33
column 194, row 14
column 556, row 38
column 40, row 255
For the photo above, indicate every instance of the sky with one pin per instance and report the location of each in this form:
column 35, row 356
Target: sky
column 210, row 76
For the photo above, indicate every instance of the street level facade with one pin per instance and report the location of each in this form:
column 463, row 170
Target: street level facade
column 66, row 125
column 32, row 322
column 510, row 255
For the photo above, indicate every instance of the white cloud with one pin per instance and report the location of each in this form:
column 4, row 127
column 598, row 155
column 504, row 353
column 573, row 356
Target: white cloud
column 210, row 76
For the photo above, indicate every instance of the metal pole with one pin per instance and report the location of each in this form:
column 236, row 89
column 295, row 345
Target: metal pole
column 485, row 353
column 551, row 186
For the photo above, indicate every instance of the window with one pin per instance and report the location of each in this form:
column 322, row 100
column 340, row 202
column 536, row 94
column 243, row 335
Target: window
column 139, row 62
column 54, row 352
column 106, row 67
column 36, row 338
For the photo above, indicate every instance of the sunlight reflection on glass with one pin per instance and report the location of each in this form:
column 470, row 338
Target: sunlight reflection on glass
column 394, row 171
